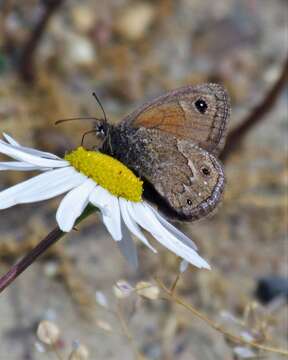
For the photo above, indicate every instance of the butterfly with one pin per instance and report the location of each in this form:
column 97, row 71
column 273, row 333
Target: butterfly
column 172, row 143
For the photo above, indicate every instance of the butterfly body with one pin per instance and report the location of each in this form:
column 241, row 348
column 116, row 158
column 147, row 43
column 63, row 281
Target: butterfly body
column 172, row 143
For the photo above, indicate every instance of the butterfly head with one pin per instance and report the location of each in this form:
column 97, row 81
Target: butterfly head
column 101, row 128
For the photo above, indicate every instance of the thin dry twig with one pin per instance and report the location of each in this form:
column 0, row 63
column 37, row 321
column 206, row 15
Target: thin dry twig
column 126, row 331
column 237, row 135
column 27, row 60
column 5, row 8
column 234, row 338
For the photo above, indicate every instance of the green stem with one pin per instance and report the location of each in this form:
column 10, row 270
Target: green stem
column 38, row 250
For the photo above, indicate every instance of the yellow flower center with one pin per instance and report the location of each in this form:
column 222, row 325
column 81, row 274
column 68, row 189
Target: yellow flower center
column 107, row 172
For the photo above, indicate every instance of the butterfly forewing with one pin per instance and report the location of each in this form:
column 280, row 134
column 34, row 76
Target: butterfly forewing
column 198, row 113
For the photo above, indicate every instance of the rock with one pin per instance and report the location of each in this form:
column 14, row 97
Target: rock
column 83, row 18
column 135, row 20
column 73, row 49
column 79, row 50
column 270, row 287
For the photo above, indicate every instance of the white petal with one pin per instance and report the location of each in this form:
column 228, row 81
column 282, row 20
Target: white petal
column 128, row 248
column 109, row 206
column 147, row 219
column 10, row 140
column 73, row 204
column 45, row 154
column 185, row 239
column 19, row 166
column 126, row 208
column 16, row 153
column 183, row 266
column 41, row 187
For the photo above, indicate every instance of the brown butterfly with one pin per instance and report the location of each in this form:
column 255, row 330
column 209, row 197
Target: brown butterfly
column 172, row 143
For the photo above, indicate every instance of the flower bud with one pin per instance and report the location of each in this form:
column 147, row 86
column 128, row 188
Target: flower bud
column 48, row 332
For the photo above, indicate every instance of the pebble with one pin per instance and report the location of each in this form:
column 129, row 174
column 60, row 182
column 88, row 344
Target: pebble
column 270, row 287
column 134, row 22
column 74, row 49
column 83, row 18
column 79, row 50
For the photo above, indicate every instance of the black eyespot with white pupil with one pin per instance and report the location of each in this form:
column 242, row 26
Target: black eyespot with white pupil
column 205, row 171
column 189, row 202
column 201, row 106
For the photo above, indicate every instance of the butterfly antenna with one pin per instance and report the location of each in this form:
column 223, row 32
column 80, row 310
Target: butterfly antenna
column 99, row 103
column 76, row 118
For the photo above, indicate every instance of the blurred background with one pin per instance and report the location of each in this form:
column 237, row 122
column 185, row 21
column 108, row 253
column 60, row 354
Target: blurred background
column 53, row 54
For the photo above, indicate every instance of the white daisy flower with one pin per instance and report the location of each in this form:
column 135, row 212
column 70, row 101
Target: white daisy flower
column 90, row 177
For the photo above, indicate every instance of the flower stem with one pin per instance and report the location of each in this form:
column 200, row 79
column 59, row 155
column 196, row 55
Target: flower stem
column 38, row 250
